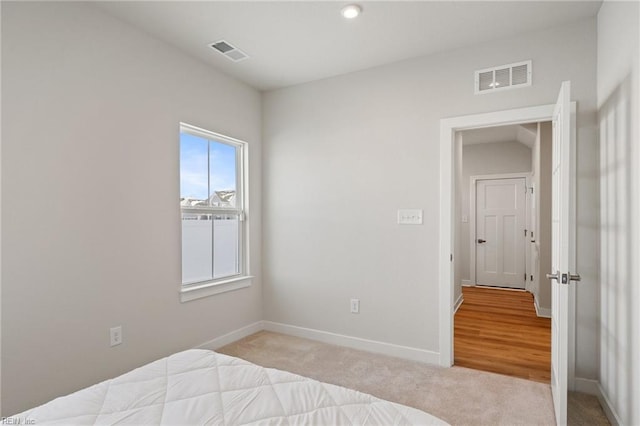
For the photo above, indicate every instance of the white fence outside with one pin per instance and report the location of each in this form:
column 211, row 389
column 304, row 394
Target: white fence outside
column 209, row 249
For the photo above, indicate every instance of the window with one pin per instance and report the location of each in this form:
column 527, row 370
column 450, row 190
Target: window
column 211, row 202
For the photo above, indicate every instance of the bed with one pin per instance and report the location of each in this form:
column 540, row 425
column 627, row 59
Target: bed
column 198, row 387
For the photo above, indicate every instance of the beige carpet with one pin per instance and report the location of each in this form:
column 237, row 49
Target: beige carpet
column 457, row 395
column 585, row 410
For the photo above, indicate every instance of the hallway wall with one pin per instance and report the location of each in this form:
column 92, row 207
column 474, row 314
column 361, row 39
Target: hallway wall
column 618, row 89
column 485, row 159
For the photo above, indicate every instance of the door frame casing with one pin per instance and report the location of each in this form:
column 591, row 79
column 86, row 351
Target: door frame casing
column 472, row 217
column 448, row 130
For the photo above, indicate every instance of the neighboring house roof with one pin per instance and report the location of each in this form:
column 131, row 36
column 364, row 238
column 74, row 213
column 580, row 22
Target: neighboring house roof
column 218, row 199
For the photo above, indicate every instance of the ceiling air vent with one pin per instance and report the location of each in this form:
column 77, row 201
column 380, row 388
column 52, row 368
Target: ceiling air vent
column 231, row 52
column 503, row 77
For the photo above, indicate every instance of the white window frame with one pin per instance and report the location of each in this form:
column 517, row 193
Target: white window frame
column 196, row 290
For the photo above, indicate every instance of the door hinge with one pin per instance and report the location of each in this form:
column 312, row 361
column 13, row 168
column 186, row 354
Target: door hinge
column 531, row 278
column 525, row 232
column 451, row 257
column 525, row 276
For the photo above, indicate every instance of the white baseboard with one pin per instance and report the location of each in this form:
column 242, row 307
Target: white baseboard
column 588, row 386
column 607, row 407
column 593, row 387
column 466, row 283
column 233, row 336
column 458, row 303
column 406, row 352
column 541, row 312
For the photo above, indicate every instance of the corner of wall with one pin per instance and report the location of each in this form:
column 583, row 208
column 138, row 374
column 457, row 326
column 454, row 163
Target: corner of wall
column 541, row 312
column 458, row 303
column 241, row 333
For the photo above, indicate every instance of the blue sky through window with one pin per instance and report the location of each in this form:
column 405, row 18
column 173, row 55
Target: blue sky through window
column 206, row 166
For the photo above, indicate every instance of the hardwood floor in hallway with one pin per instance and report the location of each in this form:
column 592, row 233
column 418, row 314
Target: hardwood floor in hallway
column 498, row 330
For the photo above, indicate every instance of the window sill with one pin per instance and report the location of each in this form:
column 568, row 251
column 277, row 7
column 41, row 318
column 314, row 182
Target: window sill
column 209, row 289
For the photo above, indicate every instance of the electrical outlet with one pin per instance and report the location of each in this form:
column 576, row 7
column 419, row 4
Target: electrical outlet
column 116, row 335
column 355, row 306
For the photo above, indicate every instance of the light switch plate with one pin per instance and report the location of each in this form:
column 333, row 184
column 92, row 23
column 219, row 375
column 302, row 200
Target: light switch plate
column 116, row 335
column 410, row 216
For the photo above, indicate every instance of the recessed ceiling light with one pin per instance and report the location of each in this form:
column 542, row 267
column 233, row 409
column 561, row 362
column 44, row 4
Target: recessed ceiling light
column 351, row 11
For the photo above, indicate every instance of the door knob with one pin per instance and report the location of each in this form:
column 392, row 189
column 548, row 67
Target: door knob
column 480, row 241
column 564, row 278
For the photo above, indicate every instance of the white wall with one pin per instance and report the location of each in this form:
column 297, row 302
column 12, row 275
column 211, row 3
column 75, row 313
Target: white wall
column 534, row 208
column 460, row 238
column 0, row 213
column 618, row 91
column 91, row 224
column 541, row 159
column 543, row 226
column 342, row 155
column 486, row 159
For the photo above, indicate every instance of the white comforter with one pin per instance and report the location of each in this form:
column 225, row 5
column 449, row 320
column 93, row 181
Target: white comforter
column 199, row 387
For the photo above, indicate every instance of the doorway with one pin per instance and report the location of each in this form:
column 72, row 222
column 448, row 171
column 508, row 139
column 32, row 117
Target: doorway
column 450, row 144
column 562, row 113
column 498, row 172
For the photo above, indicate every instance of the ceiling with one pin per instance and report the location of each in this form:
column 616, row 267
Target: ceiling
column 293, row 42
column 523, row 133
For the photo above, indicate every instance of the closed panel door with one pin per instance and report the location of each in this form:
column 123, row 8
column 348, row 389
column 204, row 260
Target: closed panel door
column 500, row 227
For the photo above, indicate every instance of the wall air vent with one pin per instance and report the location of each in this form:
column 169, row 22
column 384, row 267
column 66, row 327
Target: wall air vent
column 503, row 77
column 228, row 50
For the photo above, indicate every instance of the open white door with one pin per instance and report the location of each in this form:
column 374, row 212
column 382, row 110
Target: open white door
column 562, row 251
